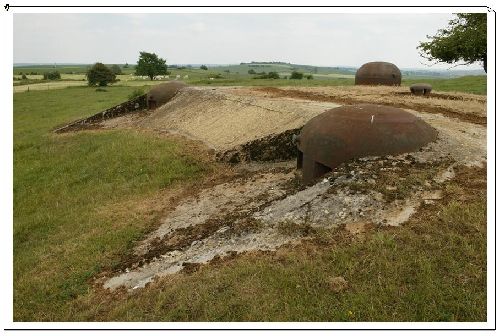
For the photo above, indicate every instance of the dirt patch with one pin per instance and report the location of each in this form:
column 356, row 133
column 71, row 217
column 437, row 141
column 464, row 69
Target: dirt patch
column 466, row 107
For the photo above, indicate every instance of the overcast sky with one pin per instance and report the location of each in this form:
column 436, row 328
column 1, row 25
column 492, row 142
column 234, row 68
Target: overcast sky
column 316, row 39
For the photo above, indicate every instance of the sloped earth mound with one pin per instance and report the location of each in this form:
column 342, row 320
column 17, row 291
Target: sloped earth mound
column 267, row 207
column 238, row 127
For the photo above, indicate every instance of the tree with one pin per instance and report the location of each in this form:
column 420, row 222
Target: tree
column 203, row 67
column 296, row 75
column 116, row 69
column 464, row 40
column 101, row 75
column 125, row 66
column 150, row 65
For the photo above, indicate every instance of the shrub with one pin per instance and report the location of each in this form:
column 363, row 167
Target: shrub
column 136, row 93
column 273, row 75
column 296, row 75
column 101, row 75
column 24, row 77
column 251, row 72
column 270, row 75
column 52, row 75
column 309, row 77
column 203, row 67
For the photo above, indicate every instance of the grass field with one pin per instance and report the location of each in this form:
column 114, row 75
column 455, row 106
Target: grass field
column 61, row 182
column 468, row 84
column 81, row 201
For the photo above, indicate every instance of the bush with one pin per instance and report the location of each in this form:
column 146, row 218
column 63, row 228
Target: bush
column 270, row 75
column 251, row 72
column 296, row 75
column 24, row 77
column 101, row 75
column 52, row 75
column 204, row 67
column 273, row 75
column 309, row 77
column 136, row 93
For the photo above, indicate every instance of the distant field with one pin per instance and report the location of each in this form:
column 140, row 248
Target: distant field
column 237, row 75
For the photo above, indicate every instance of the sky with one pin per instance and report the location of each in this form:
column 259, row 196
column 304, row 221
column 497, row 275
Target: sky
column 315, row 39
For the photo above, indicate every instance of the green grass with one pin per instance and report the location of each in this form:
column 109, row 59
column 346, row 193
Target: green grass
column 62, row 183
column 431, row 269
column 468, row 84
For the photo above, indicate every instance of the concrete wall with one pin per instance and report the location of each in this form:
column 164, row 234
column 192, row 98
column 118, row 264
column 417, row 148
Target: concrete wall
column 131, row 106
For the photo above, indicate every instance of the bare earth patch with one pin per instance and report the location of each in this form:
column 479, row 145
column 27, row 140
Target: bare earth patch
column 463, row 106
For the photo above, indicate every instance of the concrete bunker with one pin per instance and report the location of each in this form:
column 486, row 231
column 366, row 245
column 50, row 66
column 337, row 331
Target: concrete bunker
column 378, row 73
column 163, row 93
column 357, row 131
column 422, row 89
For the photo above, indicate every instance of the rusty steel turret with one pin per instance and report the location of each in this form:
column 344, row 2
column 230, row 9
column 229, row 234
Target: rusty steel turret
column 378, row 73
column 356, row 131
column 423, row 89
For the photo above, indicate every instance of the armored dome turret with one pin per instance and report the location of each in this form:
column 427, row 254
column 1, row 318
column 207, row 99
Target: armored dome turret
column 356, row 131
column 378, row 73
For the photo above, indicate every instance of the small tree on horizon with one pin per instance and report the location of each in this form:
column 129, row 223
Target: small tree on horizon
column 149, row 64
column 101, row 75
column 203, row 67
